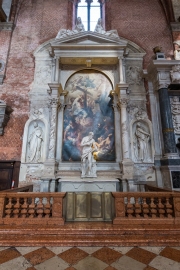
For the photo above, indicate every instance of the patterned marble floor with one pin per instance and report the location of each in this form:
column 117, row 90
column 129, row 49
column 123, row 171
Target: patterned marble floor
column 90, row 258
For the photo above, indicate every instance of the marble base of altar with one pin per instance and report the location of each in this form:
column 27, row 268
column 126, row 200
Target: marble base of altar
column 88, row 185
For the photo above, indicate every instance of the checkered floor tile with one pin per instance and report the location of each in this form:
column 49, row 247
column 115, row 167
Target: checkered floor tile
column 90, row 258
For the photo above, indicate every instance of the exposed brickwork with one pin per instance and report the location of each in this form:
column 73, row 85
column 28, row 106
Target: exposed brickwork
column 141, row 21
column 37, row 22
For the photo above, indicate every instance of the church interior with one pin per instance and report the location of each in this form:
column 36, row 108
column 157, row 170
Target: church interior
column 90, row 134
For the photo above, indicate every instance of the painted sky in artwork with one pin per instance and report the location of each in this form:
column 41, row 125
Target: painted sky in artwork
column 89, row 109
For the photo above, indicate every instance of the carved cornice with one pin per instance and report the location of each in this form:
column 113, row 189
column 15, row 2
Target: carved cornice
column 175, row 26
column 6, row 26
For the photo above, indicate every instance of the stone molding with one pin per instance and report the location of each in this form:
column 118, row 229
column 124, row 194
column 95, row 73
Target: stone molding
column 6, row 26
column 175, row 26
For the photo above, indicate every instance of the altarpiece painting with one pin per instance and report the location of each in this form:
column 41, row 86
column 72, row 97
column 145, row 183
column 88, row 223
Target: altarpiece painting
column 89, row 108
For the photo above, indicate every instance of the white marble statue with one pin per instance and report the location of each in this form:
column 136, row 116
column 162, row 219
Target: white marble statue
column 177, row 50
column 35, row 141
column 79, row 27
column 99, row 29
column 142, row 140
column 87, row 159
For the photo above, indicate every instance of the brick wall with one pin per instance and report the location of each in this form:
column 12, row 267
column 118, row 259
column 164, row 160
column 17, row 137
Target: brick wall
column 141, row 21
column 37, row 22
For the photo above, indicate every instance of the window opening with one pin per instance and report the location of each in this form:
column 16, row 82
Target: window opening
column 89, row 11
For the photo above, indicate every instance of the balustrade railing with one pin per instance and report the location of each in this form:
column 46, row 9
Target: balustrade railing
column 147, row 207
column 31, row 208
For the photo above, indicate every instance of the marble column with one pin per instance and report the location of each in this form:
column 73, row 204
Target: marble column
column 170, row 150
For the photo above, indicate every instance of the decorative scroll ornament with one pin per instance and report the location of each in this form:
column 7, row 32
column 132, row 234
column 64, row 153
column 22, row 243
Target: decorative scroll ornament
column 134, row 75
column 175, row 74
column 175, row 109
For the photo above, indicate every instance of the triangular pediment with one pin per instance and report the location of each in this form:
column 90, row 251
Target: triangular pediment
column 89, row 38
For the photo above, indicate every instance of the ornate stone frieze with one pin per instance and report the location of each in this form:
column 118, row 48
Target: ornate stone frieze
column 137, row 112
column 175, row 74
column 133, row 74
column 175, row 109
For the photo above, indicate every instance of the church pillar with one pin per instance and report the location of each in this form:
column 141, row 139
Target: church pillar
column 170, row 149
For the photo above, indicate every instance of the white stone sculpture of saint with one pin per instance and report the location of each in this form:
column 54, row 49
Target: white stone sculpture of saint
column 35, row 141
column 142, row 139
column 79, row 27
column 99, row 29
column 87, row 159
column 177, row 50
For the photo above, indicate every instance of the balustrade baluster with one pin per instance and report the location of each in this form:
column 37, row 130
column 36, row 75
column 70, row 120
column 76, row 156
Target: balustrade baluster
column 8, row 208
column 40, row 208
column 153, row 208
column 130, row 208
column 169, row 208
column 47, row 210
column 31, row 210
column 161, row 208
column 17, row 208
column 145, row 208
column 24, row 208
column 137, row 205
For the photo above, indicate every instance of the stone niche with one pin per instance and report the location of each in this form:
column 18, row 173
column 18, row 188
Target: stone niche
column 79, row 84
column 5, row 112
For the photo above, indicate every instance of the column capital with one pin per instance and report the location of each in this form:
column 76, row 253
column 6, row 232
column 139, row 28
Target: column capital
column 159, row 72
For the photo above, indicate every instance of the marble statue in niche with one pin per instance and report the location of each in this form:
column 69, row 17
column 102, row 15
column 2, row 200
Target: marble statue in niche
column 99, row 29
column 88, row 162
column 177, row 50
column 79, row 27
column 35, row 141
column 141, row 143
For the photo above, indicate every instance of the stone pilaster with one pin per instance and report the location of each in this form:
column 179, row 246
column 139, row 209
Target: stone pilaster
column 127, row 164
column 54, row 102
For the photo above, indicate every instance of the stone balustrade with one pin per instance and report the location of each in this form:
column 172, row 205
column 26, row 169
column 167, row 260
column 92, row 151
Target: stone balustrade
column 130, row 208
column 147, row 207
column 31, row 208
